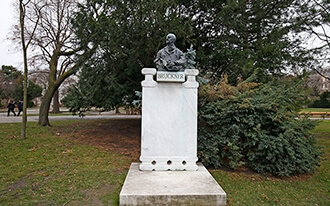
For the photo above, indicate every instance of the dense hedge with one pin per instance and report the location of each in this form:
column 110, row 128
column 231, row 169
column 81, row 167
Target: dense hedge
column 256, row 126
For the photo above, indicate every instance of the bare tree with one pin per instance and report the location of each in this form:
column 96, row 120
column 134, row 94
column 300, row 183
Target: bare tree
column 53, row 45
column 316, row 14
column 40, row 77
column 25, row 45
column 320, row 80
column 322, row 32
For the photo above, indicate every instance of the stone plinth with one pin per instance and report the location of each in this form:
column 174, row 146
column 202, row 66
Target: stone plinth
column 169, row 122
column 171, row 188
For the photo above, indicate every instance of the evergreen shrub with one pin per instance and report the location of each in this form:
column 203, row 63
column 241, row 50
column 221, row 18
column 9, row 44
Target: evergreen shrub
column 256, row 126
column 323, row 102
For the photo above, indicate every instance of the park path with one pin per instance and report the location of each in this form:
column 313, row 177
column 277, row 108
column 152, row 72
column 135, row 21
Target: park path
column 104, row 115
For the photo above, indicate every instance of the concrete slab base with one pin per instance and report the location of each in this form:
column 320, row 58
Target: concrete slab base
column 171, row 188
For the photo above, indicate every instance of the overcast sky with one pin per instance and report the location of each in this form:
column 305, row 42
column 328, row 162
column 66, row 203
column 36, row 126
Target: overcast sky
column 8, row 55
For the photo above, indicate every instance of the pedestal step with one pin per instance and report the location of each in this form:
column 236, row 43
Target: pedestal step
column 171, row 188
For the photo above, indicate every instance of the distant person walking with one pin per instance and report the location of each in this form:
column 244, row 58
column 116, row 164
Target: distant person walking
column 20, row 107
column 11, row 107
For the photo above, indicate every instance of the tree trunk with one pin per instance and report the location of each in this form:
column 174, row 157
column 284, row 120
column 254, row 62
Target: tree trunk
column 44, row 107
column 25, row 79
column 56, row 103
column 47, row 98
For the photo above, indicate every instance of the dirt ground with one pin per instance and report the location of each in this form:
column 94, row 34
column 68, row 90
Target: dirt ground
column 122, row 136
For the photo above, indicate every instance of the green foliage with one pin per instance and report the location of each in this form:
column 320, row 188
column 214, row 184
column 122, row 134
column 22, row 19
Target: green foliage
column 11, row 72
column 76, row 101
column 33, row 91
column 233, row 37
column 268, row 190
column 129, row 33
column 10, row 79
column 255, row 125
column 13, row 85
column 239, row 37
column 323, row 102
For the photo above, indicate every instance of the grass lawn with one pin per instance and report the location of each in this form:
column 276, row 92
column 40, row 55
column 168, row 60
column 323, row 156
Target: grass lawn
column 47, row 169
column 315, row 110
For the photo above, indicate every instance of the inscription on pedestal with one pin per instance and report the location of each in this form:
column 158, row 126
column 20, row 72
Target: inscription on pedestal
column 170, row 76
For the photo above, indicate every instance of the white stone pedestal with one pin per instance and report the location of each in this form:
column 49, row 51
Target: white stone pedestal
column 169, row 144
column 171, row 188
column 169, row 123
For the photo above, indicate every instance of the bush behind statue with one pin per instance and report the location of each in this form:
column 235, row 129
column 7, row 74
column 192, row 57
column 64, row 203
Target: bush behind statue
column 323, row 102
column 255, row 125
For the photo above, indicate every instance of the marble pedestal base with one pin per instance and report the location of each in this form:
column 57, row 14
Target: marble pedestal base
column 171, row 188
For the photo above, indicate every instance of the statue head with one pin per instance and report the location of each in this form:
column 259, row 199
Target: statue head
column 170, row 38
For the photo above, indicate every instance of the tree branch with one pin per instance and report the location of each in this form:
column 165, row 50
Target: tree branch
column 322, row 75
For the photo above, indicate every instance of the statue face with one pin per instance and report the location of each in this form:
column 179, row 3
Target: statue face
column 170, row 38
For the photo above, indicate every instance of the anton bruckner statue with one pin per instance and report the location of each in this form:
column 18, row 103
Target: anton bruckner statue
column 170, row 58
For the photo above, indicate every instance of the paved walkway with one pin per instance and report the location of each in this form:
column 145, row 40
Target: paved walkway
column 104, row 115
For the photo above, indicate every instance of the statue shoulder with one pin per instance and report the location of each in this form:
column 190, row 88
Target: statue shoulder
column 161, row 51
column 179, row 52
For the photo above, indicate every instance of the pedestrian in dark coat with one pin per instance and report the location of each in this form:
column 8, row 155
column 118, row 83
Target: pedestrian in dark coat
column 11, row 107
column 20, row 107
